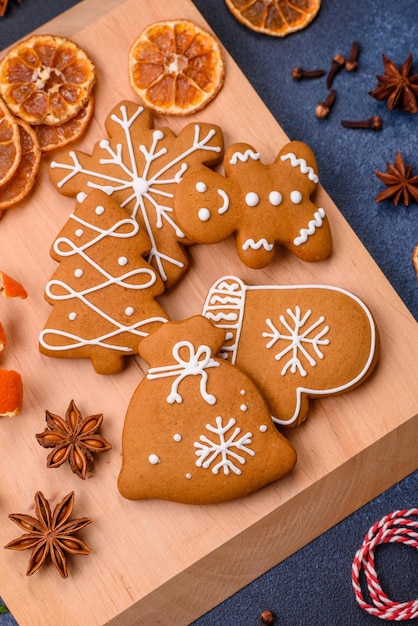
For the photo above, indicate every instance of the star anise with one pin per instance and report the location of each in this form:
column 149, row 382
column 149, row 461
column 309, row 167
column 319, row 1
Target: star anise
column 73, row 439
column 400, row 182
column 50, row 534
column 397, row 86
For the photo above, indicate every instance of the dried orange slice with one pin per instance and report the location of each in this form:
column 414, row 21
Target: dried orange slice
column 176, row 67
column 11, row 393
column 54, row 137
column 46, row 79
column 10, row 148
column 274, row 17
column 24, row 178
column 11, row 288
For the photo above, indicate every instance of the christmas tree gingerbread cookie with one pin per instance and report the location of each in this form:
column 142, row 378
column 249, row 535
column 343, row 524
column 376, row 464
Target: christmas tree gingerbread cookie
column 140, row 166
column 262, row 205
column 197, row 429
column 103, row 291
column 296, row 342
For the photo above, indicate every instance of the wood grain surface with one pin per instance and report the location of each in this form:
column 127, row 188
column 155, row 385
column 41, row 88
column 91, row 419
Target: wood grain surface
column 156, row 562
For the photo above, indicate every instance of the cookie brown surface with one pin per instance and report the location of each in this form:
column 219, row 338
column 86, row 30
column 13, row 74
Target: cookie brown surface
column 296, row 342
column 139, row 167
column 197, row 429
column 103, row 290
column 261, row 205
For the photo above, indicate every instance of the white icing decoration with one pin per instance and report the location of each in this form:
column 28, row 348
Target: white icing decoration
column 199, row 360
column 234, row 285
column 177, row 437
column 79, row 232
column 275, row 198
column 302, row 164
column 229, row 336
column 78, row 273
column 228, row 449
column 81, row 196
column 296, row 339
column 243, row 392
column 296, row 197
column 256, row 245
column 243, row 157
column 304, row 233
column 201, row 187
column 99, row 210
column 188, row 476
column 252, row 199
column 145, row 188
column 129, row 310
column 244, row 407
column 263, row 428
column 64, row 247
column 122, row 260
column 154, row 459
column 203, row 214
column 72, row 316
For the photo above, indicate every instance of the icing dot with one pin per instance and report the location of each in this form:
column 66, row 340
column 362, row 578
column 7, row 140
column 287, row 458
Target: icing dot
column 252, row 199
column 81, row 196
column 263, row 428
column 203, row 215
column 129, row 310
column 72, row 316
column 122, row 260
column 188, row 476
column 229, row 336
column 78, row 273
column 154, row 459
column 99, row 210
column 79, row 232
column 275, row 198
column 243, row 392
column 177, row 437
column 296, row 197
column 158, row 134
column 201, row 187
column 244, row 407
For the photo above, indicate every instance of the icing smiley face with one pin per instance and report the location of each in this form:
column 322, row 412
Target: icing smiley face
column 262, row 205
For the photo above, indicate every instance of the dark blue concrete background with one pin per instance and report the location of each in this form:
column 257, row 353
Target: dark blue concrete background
column 313, row 587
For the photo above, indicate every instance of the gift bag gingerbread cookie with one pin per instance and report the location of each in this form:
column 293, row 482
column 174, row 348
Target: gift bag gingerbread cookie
column 103, row 291
column 139, row 167
column 261, row 205
column 197, row 429
column 296, row 342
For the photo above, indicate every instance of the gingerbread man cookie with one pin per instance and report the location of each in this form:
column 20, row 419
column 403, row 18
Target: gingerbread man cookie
column 103, row 291
column 197, row 429
column 263, row 205
column 140, row 166
column 296, row 342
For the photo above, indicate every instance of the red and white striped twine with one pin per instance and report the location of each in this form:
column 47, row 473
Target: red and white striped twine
column 396, row 527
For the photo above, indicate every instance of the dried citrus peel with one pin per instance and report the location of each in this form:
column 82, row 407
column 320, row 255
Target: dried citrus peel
column 277, row 18
column 10, row 287
column 11, row 393
column 2, row 338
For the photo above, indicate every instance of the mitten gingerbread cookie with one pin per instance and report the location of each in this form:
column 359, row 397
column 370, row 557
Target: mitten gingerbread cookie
column 103, row 291
column 296, row 342
column 197, row 429
column 140, row 166
column 263, row 205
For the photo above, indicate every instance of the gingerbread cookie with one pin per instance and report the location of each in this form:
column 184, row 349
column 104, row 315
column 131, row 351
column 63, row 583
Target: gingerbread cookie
column 103, row 292
column 197, row 429
column 296, row 342
column 140, row 166
column 263, row 205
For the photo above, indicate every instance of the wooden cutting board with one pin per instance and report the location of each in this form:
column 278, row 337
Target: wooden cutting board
column 157, row 562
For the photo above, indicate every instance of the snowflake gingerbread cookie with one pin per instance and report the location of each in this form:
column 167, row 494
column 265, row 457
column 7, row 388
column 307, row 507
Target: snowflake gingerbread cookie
column 296, row 342
column 103, row 291
column 140, row 166
column 197, row 430
column 262, row 205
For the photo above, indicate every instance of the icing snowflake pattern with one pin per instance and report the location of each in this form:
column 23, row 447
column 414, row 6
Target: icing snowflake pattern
column 142, row 176
column 227, row 452
column 298, row 339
